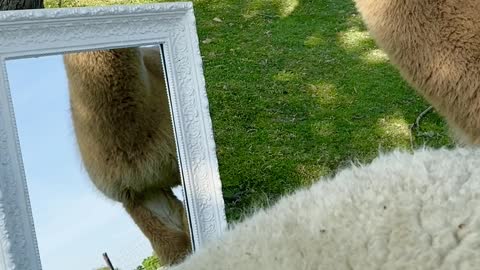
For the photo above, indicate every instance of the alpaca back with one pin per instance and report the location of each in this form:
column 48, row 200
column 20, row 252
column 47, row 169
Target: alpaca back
column 402, row 211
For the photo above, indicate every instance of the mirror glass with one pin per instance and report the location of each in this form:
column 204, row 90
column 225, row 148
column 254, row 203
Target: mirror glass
column 96, row 140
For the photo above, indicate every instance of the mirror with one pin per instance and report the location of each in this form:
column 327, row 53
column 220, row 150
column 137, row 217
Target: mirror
column 121, row 91
column 74, row 223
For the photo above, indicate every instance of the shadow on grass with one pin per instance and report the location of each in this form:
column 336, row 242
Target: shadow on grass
column 294, row 97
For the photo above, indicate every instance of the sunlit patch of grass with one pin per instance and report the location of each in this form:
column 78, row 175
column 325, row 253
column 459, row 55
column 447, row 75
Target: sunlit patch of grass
column 313, row 41
column 375, row 56
column 323, row 93
column 355, row 39
column 281, row 8
column 287, row 7
column 285, row 76
column 395, row 127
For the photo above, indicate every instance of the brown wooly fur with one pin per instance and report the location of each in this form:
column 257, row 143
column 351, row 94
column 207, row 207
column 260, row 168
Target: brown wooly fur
column 436, row 46
column 123, row 127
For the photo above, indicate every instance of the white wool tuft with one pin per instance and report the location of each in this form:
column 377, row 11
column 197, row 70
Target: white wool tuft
column 402, row 211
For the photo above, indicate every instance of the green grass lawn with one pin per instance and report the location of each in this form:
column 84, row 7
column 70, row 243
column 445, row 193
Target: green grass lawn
column 297, row 90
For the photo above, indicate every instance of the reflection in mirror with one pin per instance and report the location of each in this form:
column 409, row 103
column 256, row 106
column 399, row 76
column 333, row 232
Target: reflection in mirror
column 107, row 110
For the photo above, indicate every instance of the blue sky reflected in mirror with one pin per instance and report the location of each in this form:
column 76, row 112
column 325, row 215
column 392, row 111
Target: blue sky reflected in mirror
column 74, row 222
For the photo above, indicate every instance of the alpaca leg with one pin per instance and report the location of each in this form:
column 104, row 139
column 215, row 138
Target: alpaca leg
column 163, row 221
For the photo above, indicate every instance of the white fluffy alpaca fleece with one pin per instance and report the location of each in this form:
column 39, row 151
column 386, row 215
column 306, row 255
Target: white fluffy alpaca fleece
column 402, row 211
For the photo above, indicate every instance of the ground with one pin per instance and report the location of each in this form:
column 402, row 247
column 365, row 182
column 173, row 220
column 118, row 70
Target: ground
column 297, row 89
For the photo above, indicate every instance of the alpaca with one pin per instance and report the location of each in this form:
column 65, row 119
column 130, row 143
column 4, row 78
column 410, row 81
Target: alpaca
column 403, row 211
column 436, row 46
column 124, row 133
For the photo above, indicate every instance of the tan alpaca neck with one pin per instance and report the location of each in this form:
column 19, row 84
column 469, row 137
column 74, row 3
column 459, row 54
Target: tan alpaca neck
column 436, row 46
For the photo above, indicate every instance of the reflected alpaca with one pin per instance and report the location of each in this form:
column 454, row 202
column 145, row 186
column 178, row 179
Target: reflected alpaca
column 123, row 128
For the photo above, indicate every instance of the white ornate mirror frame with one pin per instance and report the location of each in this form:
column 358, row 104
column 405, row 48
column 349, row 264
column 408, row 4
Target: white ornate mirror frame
column 30, row 33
